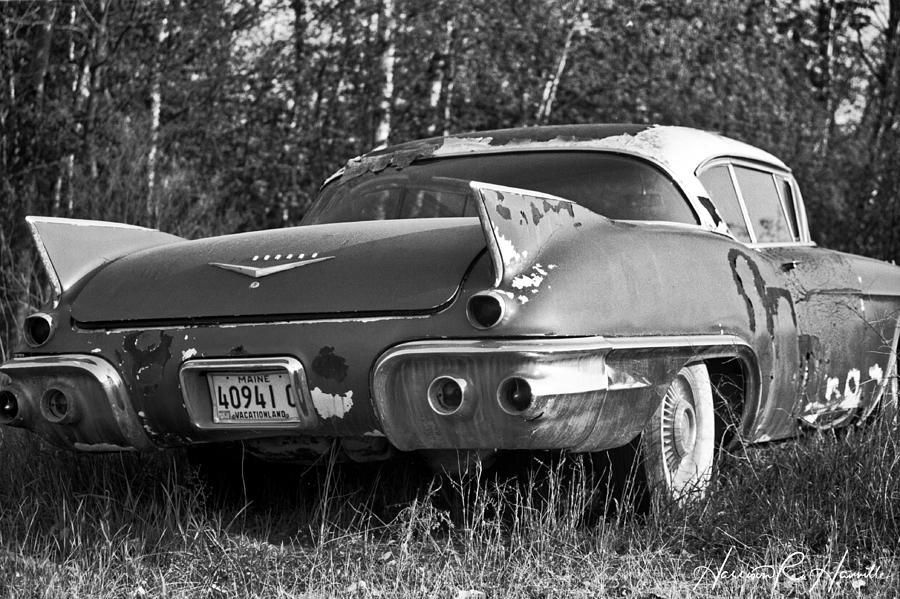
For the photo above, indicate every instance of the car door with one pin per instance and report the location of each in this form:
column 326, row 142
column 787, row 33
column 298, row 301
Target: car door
column 838, row 344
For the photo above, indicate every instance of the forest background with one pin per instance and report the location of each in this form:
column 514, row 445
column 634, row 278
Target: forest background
column 213, row 116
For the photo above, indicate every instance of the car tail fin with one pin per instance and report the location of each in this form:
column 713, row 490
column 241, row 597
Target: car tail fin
column 71, row 248
column 519, row 223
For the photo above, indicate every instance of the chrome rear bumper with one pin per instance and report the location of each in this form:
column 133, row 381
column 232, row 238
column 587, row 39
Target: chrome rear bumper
column 73, row 400
column 582, row 394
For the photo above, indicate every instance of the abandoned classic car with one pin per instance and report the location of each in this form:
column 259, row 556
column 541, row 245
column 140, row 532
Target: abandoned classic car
column 544, row 288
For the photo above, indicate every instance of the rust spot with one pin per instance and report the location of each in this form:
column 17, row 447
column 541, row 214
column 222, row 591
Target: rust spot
column 238, row 350
column 558, row 207
column 330, row 366
column 504, row 212
column 144, row 342
column 148, row 353
column 536, row 215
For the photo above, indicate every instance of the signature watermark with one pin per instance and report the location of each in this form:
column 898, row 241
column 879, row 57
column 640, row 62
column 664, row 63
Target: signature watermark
column 796, row 570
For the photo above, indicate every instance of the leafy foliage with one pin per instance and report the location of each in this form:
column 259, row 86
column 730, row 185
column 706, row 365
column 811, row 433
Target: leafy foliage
column 226, row 115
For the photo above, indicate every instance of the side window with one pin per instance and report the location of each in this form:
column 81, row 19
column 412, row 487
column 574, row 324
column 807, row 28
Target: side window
column 787, row 198
column 717, row 182
column 763, row 204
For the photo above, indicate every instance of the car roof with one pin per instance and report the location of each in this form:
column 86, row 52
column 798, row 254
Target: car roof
column 681, row 149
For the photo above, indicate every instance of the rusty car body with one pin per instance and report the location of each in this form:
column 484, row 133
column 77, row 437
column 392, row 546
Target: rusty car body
column 561, row 288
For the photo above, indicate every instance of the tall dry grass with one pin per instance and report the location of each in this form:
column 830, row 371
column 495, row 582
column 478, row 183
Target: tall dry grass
column 815, row 517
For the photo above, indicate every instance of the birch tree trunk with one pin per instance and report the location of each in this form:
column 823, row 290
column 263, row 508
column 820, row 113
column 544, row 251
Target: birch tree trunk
column 67, row 170
column 155, row 109
column 548, row 97
column 826, row 30
column 96, row 66
column 388, row 58
column 442, row 82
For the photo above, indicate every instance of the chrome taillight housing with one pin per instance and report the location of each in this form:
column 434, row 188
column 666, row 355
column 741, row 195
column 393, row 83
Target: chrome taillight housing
column 38, row 329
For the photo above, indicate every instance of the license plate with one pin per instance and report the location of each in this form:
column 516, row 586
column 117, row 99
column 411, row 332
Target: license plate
column 252, row 397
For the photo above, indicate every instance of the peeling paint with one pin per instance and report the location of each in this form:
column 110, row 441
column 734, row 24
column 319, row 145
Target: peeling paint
column 96, row 350
column 523, row 299
column 330, row 365
column 876, row 373
column 851, row 391
column 837, row 404
column 374, row 433
column 331, row 405
column 148, row 353
column 511, row 256
column 463, row 145
column 188, row 354
column 525, row 281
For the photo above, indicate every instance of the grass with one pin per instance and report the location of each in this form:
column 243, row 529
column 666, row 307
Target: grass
column 815, row 517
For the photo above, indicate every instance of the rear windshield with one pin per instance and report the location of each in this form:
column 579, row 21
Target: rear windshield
column 615, row 186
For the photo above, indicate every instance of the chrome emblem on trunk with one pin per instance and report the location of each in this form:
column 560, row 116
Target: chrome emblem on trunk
column 259, row 272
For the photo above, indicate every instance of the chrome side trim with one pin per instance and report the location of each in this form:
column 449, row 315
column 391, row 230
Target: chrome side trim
column 195, row 390
column 110, row 381
column 552, row 345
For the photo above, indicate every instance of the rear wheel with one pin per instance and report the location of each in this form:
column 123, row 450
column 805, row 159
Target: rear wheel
column 679, row 443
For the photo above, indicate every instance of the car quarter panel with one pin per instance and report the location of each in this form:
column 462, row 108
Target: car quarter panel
column 616, row 280
column 848, row 310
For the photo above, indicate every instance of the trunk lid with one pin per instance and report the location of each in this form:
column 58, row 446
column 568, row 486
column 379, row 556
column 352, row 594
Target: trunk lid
column 372, row 267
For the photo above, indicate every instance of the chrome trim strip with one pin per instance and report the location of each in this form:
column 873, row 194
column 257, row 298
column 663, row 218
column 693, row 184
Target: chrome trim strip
column 109, row 379
column 188, row 327
column 45, row 260
column 800, row 208
column 792, row 226
column 559, row 344
column 785, row 244
column 195, row 390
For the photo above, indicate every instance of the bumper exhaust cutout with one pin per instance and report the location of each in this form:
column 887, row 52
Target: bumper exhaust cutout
column 58, row 407
column 447, row 396
column 514, row 395
column 9, row 408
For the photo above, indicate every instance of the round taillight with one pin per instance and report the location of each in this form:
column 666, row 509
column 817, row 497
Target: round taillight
column 9, row 407
column 38, row 328
column 446, row 395
column 514, row 395
column 57, row 407
column 486, row 309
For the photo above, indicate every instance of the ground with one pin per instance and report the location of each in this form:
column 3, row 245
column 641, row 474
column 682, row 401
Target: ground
column 814, row 517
